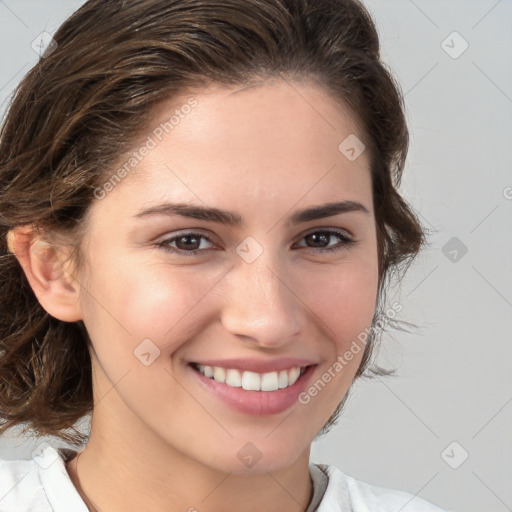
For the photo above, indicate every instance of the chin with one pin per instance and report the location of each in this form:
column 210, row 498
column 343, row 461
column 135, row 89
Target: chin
column 253, row 458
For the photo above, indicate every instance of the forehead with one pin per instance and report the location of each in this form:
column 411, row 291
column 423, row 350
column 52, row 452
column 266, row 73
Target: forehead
column 260, row 110
column 275, row 140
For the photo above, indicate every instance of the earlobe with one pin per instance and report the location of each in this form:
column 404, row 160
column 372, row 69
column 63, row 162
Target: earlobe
column 55, row 288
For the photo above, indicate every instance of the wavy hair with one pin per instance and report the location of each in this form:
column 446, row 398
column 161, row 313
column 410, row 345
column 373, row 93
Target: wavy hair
column 82, row 106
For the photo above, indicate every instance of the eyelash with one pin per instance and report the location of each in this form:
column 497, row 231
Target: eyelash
column 345, row 242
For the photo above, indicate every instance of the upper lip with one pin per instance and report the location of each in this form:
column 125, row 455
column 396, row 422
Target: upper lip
column 257, row 365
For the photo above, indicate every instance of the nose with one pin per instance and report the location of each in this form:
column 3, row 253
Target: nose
column 261, row 304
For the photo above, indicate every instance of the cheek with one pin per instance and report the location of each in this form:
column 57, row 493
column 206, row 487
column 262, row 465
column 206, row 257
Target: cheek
column 344, row 304
column 344, row 299
column 162, row 302
column 148, row 301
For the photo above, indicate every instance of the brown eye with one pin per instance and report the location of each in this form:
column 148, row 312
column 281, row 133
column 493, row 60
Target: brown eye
column 320, row 240
column 188, row 244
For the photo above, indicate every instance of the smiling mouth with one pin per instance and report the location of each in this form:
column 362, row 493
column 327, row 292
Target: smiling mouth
column 251, row 381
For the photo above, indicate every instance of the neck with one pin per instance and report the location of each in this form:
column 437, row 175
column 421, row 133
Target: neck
column 127, row 467
column 183, row 487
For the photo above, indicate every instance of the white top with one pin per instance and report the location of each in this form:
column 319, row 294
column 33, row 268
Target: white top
column 42, row 484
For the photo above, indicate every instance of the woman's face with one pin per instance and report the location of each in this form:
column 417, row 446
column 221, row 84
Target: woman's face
column 264, row 290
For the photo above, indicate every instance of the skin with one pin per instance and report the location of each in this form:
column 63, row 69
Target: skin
column 159, row 441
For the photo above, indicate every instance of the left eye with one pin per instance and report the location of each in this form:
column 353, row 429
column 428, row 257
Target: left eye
column 189, row 244
column 324, row 235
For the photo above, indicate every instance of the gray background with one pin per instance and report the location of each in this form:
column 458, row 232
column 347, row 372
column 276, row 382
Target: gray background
column 454, row 380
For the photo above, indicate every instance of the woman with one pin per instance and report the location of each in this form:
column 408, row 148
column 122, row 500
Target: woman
column 199, row 219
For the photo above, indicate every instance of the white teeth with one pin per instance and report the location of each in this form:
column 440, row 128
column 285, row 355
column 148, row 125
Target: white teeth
column 252, row 381
column 269, row 382
column 293, row 376
column 219, row 374
column 233, row 378
column 283, row 379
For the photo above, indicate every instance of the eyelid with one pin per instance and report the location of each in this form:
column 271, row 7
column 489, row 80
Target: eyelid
column 209, row 237
column 346, row 240
column 333, row 229
column 187, row 231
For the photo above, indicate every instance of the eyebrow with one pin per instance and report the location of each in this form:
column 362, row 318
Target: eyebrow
column 234, row 219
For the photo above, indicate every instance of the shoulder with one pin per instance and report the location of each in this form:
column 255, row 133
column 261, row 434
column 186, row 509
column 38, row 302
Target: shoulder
column 39, row 484
column 344, row 492
column 21, row 487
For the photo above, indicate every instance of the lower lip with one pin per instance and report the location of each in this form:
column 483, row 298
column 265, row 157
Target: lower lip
column 257, row 403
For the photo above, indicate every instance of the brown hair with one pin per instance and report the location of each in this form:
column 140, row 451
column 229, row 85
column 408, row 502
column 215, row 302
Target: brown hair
column 83, row 105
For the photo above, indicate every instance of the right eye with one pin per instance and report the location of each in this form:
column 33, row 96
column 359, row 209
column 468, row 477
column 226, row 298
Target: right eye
column 190, row 243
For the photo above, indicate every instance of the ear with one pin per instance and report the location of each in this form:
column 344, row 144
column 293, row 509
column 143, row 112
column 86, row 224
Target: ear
column 55, row 288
